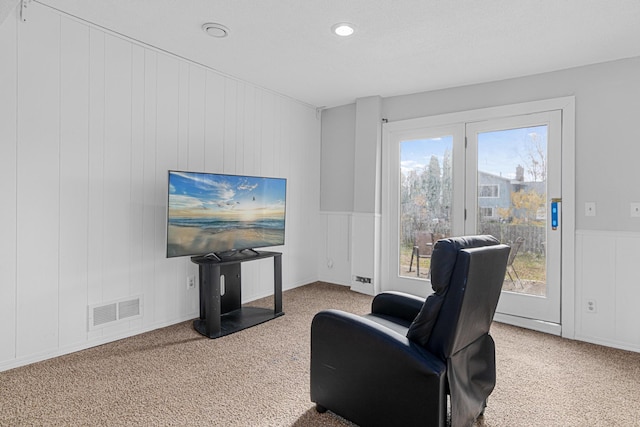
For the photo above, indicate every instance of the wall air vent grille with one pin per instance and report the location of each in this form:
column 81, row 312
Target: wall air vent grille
column 130, row 308
column 106, row 314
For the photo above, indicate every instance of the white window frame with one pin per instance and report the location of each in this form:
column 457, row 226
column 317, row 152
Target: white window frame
column 493, row 212
column 497, row 187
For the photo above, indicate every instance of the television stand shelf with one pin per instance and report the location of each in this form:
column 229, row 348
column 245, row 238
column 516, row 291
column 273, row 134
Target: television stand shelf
column 222, row 315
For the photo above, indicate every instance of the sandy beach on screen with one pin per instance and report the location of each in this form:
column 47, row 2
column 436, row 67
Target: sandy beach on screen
column 195, row 240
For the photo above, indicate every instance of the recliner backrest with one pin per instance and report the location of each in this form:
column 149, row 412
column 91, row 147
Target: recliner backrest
column 445, row 255
column 466, row 276
column 470, row 304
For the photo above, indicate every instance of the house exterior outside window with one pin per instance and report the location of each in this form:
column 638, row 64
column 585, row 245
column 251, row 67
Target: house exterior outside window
column 489, row 190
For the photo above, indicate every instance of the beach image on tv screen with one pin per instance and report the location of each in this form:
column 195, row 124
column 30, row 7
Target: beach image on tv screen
column 214, row 213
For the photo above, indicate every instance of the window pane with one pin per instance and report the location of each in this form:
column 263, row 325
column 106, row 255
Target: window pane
column 485, row 190
column 426, row 195
column 512, row 181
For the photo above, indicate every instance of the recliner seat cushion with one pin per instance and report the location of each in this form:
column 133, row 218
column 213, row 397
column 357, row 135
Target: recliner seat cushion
column 443, row 261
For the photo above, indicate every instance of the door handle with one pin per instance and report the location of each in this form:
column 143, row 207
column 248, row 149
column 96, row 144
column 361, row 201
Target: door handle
column 555, row 212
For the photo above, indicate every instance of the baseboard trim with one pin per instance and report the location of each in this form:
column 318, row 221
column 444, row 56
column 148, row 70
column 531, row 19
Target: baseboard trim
column 608, row 343
column 34, row 358
column 536, row 325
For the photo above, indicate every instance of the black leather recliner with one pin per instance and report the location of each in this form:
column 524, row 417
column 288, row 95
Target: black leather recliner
column 396, row 365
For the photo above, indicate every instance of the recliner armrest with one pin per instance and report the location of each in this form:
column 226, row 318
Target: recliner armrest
column 397, row 304
column 374, row 344
column 370, row 374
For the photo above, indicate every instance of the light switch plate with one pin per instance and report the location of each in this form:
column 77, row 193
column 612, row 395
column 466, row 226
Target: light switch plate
column 635, row 209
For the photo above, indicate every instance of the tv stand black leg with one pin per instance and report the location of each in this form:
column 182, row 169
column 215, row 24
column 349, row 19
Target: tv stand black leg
column 277, row 284
column 209, row 323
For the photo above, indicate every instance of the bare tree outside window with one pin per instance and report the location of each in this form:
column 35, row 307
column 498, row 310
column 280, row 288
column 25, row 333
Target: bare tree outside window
column 426, row 195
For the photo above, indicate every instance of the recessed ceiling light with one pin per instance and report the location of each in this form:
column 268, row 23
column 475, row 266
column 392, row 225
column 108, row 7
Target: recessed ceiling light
column 343, row 29
column 215, row 30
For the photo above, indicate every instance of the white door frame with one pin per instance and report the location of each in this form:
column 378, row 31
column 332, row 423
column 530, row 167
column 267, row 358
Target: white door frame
column 567, row 106
column 518, row 304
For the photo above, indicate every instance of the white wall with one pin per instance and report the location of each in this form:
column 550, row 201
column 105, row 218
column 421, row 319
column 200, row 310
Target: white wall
column 6, row 7
column 336, row 193
column 90, row 123
column 350, row 194
column 338, row 159
column 607, row 108
column 8, row 76
column 607, row 100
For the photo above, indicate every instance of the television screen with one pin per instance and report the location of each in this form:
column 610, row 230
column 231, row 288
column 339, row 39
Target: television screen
column 215, row 214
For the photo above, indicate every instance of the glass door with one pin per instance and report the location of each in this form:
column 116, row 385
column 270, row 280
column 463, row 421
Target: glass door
column 426, row 192
column 513, row 193
column 426, row 188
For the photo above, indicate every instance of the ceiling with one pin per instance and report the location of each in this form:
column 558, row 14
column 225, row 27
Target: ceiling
column 400, row 46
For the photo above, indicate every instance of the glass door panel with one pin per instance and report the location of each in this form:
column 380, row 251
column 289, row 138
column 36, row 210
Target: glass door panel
column 511, row 201
column 513, row 174
column 426, row 201
column 422, row 199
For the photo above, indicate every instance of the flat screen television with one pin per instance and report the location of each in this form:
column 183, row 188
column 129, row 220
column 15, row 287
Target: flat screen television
column 219, row 215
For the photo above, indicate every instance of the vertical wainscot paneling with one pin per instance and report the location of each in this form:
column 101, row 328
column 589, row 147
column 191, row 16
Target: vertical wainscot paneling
column 627, row 295
column 250, row 144
column 606, row 283
column 38, row 179
column 268, row 131
column 596, row 282
column 339, row 261
column 277, row 135
column 215, row 122
column 74, row 181
column 136, row 209
column 91, row 122
column 197, row 118
column 182, row 163
column 117, row 174
column 116, row 178
column 196, row 156
column 95, row 229
column 363, row 254
column 182, row 160
column 229, row 140
column 238, row 145
column 334, row 257
column 257, row 132
column 167, row 99
column 149, row 196
column 8, row 170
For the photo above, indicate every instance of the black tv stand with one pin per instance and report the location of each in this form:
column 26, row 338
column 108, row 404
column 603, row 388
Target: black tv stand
column 222, row 315
column 241, row 255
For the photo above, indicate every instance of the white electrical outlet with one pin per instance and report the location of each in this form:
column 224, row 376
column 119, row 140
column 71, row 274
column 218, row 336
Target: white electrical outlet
column 590, row 209
column 635, row 209
column 191, row 282
column 590, row 306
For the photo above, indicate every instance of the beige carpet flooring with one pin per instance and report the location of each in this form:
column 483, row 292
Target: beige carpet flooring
column 260, row 377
